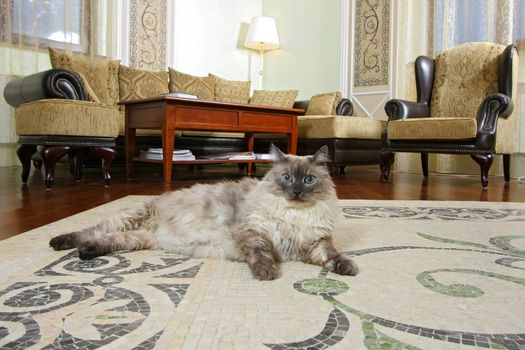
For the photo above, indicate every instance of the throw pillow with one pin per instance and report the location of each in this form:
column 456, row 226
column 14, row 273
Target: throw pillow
column 231, row 90
column 90, row 94
column 203, row 87
column 101, row 74
column 282, row 98
column 323, row 104
column 137, row 84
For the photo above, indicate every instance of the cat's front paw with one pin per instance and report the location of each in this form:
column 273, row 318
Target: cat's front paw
column 65, row 241
column 344, row 266
column 265, row 271
column 90, row 250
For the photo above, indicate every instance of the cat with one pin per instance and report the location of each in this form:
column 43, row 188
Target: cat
column 288, row 215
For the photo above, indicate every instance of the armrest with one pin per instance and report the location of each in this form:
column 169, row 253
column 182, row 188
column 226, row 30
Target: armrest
column 53, row 83
column 344, row 106
column 491, row 108
column 303, row 104
column 403, row 109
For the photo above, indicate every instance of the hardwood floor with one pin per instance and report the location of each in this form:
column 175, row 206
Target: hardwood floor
column 26, row 207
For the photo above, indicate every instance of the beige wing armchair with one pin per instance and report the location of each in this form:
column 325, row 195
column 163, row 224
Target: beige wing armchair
column 464, row 106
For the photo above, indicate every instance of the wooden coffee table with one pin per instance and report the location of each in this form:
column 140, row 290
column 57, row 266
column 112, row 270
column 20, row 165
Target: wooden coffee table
column 172, row 113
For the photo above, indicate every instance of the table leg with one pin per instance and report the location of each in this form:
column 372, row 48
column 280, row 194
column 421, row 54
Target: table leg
column 130, row 150
column 292, row 143
column 250, row 141
column 292, row 137
column 168, row 140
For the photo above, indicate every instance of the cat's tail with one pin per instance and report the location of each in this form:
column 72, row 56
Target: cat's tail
column 125, row 230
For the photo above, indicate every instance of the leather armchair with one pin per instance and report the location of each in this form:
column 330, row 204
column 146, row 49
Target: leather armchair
column 463, row 109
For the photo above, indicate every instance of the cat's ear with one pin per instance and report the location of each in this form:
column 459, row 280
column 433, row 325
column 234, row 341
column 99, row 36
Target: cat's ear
column 276, row 153
column 321, row 156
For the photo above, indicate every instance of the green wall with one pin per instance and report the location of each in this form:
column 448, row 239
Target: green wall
column 310, row 53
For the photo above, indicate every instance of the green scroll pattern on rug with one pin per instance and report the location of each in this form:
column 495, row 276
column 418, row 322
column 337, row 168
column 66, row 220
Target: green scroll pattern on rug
column 507, row 255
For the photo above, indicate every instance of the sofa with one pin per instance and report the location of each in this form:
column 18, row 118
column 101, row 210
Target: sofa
column 94, row 84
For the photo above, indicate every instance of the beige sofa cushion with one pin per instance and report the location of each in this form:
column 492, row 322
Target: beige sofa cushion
column 278, row 98
column 231, row 90
column 433, row 129
column 101, row 74
column 337, row 126
column 203, row 87
column 136, row 84
column 67, row 118
column 323, row 104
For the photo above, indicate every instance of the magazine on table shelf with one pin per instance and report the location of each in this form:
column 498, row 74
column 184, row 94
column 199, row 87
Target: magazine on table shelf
column 156, row 154
column 231, row 156
column 180, row 94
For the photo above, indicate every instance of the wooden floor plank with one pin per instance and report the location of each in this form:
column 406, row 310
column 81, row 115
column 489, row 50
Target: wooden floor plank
column 29, row 206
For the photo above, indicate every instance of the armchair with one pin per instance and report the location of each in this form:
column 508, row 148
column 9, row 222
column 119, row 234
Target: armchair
column 54, row 118
column 464, row 106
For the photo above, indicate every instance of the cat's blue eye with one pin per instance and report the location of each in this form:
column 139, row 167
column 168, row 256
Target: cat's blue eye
column 309, row 180
column 287, row 177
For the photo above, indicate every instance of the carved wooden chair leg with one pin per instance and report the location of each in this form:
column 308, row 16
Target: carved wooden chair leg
column 24, row 153
column 71, row 160
column 243, row 168
column 424, row 163
column 37, row 163
column 484, row 161
column 387, row 158
column 50, row 156
column 506, row 167
column 332, row 170
column 108, row 155
column 80, row 155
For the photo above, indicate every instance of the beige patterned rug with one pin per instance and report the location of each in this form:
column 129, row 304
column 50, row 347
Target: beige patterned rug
column 434, row 275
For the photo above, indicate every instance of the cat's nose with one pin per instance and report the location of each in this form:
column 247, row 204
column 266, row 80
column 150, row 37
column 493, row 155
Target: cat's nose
column 297, row 189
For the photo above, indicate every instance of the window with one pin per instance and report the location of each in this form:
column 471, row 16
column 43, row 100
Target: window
column 55, row 23
column 460, row 21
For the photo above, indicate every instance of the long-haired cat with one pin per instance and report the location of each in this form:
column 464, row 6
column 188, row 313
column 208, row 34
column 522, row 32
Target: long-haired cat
column 289, row 214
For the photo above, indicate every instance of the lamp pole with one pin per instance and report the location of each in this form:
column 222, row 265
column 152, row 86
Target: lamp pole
column 261, row 67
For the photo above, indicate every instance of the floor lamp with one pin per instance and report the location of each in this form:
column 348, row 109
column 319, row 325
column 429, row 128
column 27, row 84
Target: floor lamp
column 262, row 35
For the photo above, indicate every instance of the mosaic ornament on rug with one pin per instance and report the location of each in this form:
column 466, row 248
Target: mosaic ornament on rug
column 434, row 275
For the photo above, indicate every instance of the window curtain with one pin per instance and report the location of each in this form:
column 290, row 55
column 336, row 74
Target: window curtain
column 450, row 23
column 28, row 27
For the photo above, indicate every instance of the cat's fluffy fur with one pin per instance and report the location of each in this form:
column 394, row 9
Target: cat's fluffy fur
column 288, row 215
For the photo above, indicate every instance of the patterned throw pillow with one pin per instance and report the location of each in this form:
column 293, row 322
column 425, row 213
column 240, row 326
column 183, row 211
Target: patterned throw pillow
column 231, row 90
column 282, row 98
column 101, row 74
column 136, row 84
column 323, row 104
column 88, row 90
column 203, row 87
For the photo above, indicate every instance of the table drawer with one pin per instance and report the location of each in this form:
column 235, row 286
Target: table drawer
column 269, row 120
column 206, row 116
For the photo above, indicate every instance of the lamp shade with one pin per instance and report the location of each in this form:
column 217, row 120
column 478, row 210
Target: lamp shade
column 262, row 34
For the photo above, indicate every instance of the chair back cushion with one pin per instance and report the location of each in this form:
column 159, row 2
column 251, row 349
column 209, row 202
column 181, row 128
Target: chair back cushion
column 463, row 77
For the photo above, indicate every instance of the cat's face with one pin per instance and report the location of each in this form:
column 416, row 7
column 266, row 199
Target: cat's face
column 301, row 179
